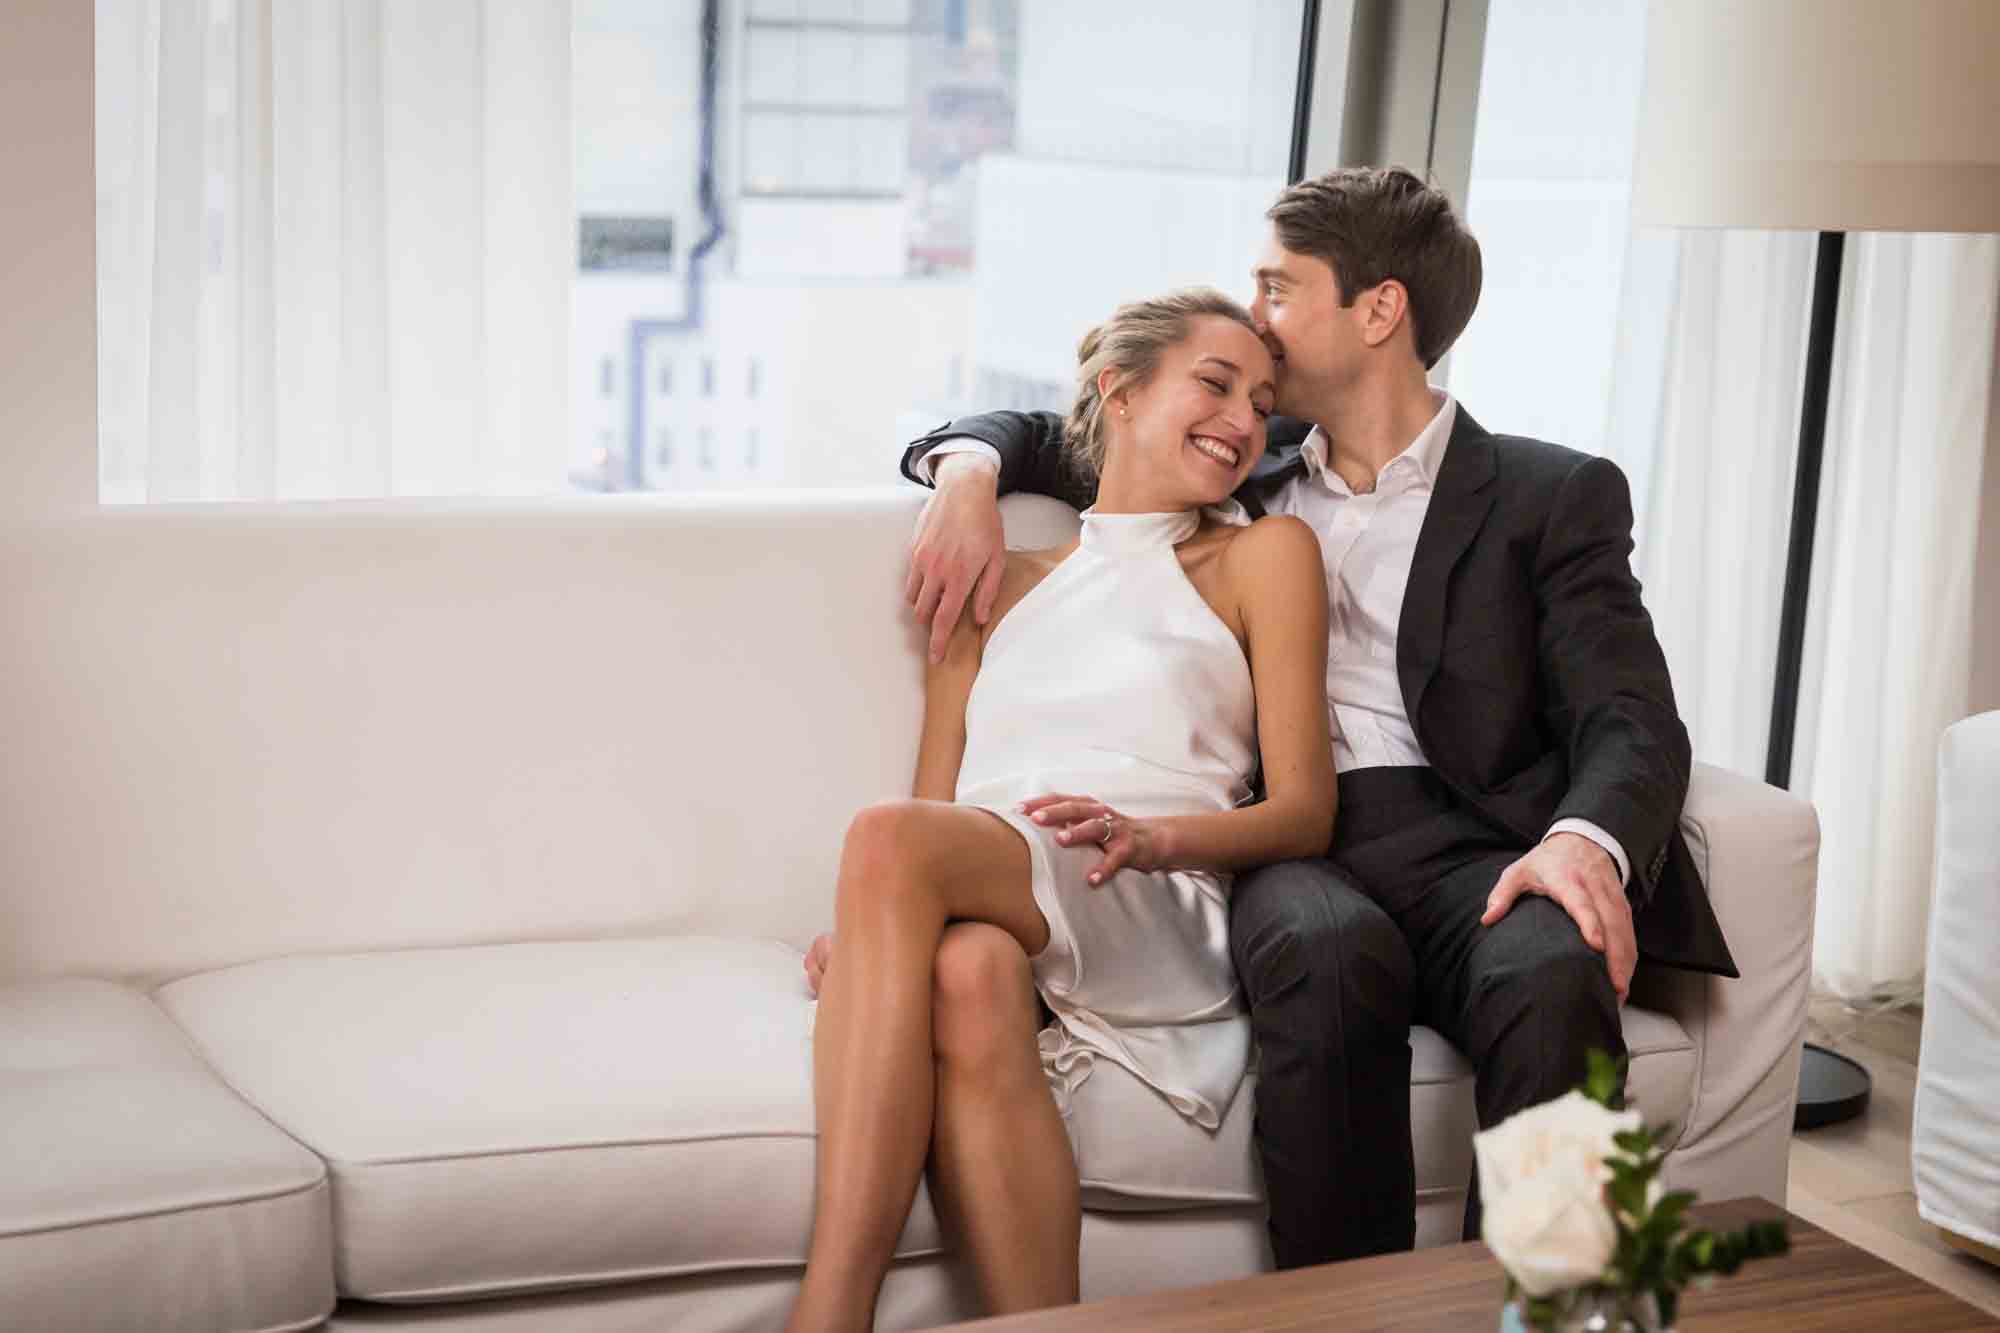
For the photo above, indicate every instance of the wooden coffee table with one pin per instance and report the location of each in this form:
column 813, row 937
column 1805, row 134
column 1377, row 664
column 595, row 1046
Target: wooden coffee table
column 1824, row 1283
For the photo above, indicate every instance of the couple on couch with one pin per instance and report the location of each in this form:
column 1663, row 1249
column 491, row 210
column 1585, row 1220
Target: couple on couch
column 1368, row 605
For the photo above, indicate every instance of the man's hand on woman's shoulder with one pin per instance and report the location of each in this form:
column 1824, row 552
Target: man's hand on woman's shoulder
column 958, row 550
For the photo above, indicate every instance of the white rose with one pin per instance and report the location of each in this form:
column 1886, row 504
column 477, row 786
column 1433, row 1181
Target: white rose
column 1542, row 1175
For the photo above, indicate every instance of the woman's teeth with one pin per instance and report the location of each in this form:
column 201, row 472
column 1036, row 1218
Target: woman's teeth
column 1215, row 449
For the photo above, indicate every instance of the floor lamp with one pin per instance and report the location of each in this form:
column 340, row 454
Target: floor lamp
column 1830, row 116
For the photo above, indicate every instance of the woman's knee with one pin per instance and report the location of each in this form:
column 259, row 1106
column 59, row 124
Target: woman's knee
column 983, row 993
column 882, row 855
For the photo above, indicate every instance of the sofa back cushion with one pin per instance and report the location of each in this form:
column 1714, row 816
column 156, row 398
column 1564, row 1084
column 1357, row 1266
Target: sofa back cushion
column 236, row 733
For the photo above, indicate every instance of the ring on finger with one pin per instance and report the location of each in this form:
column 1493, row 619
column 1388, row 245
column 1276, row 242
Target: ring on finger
column 1110, row 829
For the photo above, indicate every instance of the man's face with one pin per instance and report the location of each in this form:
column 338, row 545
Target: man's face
column 1311, row 336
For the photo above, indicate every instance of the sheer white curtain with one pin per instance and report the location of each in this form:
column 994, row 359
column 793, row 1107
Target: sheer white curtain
column 1889, row 632
column 335, row 245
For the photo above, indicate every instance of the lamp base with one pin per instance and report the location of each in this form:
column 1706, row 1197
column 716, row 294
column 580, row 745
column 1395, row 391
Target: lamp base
column 1832, row 1088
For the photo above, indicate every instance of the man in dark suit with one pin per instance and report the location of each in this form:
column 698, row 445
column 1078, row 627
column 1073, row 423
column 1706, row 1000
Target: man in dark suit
column 1511, row 764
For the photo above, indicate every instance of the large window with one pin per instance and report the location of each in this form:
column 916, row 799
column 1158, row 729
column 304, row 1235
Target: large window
column 529, row 246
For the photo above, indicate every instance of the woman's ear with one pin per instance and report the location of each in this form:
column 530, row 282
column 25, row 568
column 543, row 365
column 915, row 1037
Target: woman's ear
column 1110, row 388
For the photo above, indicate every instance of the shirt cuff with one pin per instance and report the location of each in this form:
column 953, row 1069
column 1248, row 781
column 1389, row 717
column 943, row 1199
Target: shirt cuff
column 1598, row 836
column 926, row 467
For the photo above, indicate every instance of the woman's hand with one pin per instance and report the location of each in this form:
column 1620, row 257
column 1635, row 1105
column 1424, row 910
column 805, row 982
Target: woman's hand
column 818, row 955
column 1078, row 820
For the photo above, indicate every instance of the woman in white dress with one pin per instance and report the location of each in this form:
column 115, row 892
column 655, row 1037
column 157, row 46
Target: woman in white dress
column 1080, row 799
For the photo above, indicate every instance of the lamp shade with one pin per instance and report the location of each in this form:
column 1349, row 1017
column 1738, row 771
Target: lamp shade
column 1835, row 115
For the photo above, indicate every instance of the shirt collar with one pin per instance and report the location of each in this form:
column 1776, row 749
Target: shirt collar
column 1418, row 463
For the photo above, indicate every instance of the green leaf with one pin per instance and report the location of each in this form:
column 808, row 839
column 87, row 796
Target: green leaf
column 1541, row 1311
column 1700, row 1247
column 1604, row 1077
column 1673, row 1203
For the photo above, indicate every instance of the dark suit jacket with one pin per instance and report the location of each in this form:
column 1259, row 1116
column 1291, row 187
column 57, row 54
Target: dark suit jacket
column 1529, row 667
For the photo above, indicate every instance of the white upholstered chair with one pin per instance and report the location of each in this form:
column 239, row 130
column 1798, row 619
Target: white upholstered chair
column 1955, row 1141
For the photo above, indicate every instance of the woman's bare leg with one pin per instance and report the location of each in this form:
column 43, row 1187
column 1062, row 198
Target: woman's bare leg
column 1002, row 1174
column 907, row 869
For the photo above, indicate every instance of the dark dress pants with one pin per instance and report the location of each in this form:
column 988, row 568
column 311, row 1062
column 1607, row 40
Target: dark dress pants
column 1339, row 956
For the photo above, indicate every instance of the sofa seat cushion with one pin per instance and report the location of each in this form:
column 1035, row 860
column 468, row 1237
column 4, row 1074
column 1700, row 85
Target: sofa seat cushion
column 1135, row 1153
column 136, row 1191
column 525, row 1116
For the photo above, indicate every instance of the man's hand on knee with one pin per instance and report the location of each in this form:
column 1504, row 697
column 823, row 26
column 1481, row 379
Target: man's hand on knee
column 959, row 549
column 1582, row 879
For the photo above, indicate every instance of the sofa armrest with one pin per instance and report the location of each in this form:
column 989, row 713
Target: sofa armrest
column 1757, row 849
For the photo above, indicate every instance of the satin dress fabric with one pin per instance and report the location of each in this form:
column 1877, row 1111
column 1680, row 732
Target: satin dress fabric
column 1113, row 678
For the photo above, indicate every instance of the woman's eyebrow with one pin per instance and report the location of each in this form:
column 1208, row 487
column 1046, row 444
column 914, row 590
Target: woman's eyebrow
column 1234, row 369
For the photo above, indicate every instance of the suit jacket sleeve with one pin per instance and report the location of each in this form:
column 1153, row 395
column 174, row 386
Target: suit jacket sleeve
column 1610, row 702
column 1030, row 445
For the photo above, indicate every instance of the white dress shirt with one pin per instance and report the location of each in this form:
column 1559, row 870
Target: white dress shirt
column 1367, row 542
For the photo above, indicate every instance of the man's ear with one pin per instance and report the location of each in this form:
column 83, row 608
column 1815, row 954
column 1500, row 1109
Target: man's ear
column 1385, row 307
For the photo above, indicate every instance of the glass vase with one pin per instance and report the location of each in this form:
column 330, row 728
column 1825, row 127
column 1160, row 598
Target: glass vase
column 1593, row 1310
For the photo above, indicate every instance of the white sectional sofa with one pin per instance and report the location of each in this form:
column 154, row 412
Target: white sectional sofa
column 401, row 905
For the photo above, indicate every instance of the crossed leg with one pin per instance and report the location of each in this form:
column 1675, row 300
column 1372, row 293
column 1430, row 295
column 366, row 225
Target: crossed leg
column 1002, row 1173
column 908, row 869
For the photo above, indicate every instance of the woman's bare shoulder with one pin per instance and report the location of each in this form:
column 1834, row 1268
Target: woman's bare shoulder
column 1280, row 539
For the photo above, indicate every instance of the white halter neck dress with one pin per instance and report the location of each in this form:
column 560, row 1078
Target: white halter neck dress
column 1113, row 678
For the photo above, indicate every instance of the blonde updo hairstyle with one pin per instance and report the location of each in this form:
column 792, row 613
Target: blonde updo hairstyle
column 1130, row 344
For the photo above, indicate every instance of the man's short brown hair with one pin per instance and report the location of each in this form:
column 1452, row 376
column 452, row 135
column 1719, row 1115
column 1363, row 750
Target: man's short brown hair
column 1370, row 224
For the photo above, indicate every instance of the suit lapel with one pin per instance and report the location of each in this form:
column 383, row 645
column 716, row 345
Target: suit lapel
column 1459, row 505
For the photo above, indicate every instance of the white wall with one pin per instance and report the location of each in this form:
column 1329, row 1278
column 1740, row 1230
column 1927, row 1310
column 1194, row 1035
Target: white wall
column 48, row 339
